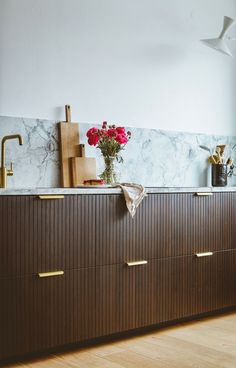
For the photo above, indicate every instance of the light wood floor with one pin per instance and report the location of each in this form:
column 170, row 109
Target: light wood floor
column 209, row 343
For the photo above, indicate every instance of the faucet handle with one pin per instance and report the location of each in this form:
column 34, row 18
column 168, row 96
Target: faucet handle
column 10, row 171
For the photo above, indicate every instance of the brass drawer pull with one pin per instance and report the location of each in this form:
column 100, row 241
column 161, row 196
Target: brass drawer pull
column 203, row 194
column 206, row 254
column 50, row 274
column 51, row 196
column 138, row 263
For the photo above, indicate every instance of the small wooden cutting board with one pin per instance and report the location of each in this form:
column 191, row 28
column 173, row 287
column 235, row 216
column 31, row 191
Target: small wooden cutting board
column 69, row 146
column 83, row 168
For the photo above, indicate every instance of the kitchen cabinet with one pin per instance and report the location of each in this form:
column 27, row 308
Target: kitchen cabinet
column 38, row 235
column 166, row 225
column 163, row 290
column 44, row 313
column 93, row 244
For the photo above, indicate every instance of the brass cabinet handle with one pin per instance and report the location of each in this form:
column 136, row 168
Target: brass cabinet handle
column 50, row 274
column 205, row 254
column 137, row 263
column 51, row 196
column 203, row 194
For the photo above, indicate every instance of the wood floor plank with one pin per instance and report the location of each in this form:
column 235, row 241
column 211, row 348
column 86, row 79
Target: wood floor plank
column 211, row 340
column 188, row 351
column 107, row 349
column 130, row 359
column 85, row 359
column 169, row 352
column 52, row 362
column 208, row 343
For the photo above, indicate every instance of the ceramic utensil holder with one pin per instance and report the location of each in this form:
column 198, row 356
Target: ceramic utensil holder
column 219, row 175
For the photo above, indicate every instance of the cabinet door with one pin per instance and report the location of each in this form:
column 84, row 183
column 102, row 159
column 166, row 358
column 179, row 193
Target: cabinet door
column 139, row 296
column 178, row 224
column 121, row 238
column 38, row 314
column 215, row 278
column 165, row 225
column 210, row 222
column 163, row 290
column 42, row 235
column 189, row 286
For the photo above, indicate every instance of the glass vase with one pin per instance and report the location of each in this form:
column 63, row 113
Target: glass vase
column 109, row 175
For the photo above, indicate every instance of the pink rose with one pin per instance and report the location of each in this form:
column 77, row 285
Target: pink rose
column 103, row 133
column 112, row 133
column 121, row 138
column 93, row 140
column 93, row 136
column 91, row 132
column 120, row 130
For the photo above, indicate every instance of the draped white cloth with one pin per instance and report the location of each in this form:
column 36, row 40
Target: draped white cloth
column 134, row 194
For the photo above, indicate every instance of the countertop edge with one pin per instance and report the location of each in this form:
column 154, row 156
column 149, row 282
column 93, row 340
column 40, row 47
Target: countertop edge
column 100, row 190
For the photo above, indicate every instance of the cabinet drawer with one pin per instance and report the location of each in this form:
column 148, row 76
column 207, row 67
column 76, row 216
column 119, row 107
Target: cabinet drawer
column 119, row 297
column 139, row 296
column 190, row 285
column 165, row 225
column 215, row 281
column 39, row 235
column 38, row 314
column 163, row 290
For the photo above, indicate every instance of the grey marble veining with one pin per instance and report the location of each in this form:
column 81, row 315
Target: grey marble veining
column 154, row 158
column 104, row 190
column 36, row 163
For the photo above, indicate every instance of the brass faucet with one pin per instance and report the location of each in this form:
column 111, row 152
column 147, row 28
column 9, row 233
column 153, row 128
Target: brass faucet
column 4, row 172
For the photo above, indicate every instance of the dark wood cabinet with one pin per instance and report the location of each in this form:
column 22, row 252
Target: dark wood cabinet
column 43, row 313
column 115, row 299
column 92, row 239
column 189, row 285
column 43, row 235
column 163, row 290
column 166, row 225
column 126, row 297
column 214, row 279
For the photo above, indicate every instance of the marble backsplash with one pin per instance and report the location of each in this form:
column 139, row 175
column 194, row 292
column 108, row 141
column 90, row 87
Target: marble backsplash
column 154, row 158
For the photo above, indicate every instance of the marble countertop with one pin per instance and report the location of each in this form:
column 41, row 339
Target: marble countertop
column 106, row 190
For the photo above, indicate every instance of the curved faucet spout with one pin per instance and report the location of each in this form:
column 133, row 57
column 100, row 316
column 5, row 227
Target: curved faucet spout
column 6, row 138
column 3, row 170
column 13, row 136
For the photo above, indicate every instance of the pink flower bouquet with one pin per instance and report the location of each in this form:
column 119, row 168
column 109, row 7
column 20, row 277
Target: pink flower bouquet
column 110, row 139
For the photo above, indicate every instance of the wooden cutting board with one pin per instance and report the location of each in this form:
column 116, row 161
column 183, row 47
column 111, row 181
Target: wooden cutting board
column 68, row 145
column 83, row 168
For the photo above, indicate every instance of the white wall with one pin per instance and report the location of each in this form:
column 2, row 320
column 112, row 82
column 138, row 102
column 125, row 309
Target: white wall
column 134, row 62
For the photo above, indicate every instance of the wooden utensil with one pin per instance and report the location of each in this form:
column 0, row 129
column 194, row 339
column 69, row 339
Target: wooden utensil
column 83, row 168
column 69, row 146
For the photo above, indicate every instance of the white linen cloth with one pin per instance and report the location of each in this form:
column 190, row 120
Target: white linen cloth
column 134, row 194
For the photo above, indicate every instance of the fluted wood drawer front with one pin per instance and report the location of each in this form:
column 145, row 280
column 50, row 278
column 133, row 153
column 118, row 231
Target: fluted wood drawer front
column 46, row 234
column 139, row 296
column 165, row 225
column 119, row 297
column 215, row 281
column 210, row 222
column 191, row 285
column 163, row 290
column 42, row 313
